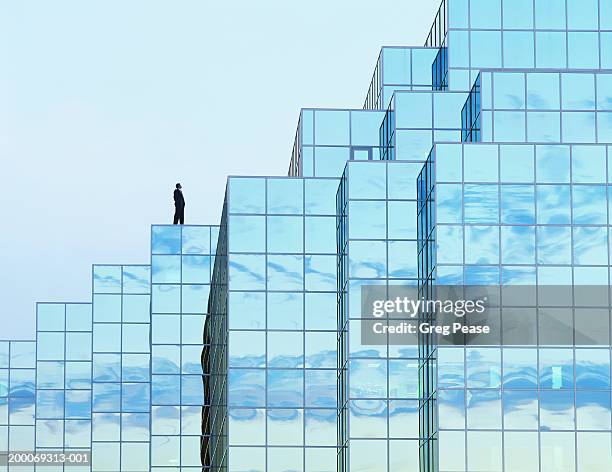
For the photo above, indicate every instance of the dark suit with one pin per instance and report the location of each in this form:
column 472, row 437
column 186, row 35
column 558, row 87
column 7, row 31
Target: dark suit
column 179, row 207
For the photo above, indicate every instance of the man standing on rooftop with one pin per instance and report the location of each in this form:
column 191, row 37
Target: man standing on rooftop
column 179, row 205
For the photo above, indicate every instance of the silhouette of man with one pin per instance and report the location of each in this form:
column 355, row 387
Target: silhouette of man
column 179, row 205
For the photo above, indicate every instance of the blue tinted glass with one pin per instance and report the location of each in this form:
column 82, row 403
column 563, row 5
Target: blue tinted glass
column 449, row 244
column 78, row 404
column 367, row 259
column 592, row 369
column 320, row 196
column 481, row 203
column 550, row 14
column 589, row 204
column 166, row 239
column 520, row 369
column 402, row 259
column 516, row 163
column 166, row 359
column 367, row 180
column 396, row 65
column 552, row 164
column 509, row 91
column 556, row 410
column 509, row 126
column 307, row 131
column 421, row 65
column 78, row 346
column 332, row 127
column 50, row 375
column 448, row 163
column 247, row 387
column 590, row 246
column 483, row 367
column 556, row 368
column 108, row 307
column 135, row 367
column 330, row 161
column 285, row 234
column 107, row 279
column 578, row 91
column 579, row 127
column 50, row 346
column 285, row 196
column 285, row 272
column 413, row 110
column 192, row 390
column 554, row 244
column 592, row 410
column 480, row 163
column 458, row 14
column 246, row 234
column 195, row 269
column 246, row 272
column 459, row 54
column 285, row 388
column 320, row 233
column 402, row 220
column 449, row 205
column 365, row 126
column 445, row 110
column 518, row 244
column 164, row 269
column 543, row 127
column 588, row 164
column 78, row 317
column 320, row 311
column 482, row 245
column 166, row 298
column 604, row 92
column 550, row 49
column 367, row 220
column 166, row 329
column 247, row 195
column 23, row 355
column 583, row 50
column 136, row 308
column 320, row 273
column 486, row 49
column 194, row 298
column 553, row 203
column 517, row 204
column 196, row 240
column 106, row 397
column 107, row 337
column 368, row 378
column 518, row 46
column 518, row 14
column 50, row 316
column 485, row 14
column 135, row 338
column 582, row 14
column 521, row 409
column 136, row 279
column 413, row 144
column 165, row 389
column 542, row 91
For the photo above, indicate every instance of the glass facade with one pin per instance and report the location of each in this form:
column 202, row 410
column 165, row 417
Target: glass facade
column 482, row 158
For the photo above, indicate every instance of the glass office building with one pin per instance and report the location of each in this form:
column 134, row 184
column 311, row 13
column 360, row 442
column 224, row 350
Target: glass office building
column 481, row 158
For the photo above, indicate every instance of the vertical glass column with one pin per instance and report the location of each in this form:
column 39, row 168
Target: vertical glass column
column 181, row 265
column 121, row 367
column 17, row 396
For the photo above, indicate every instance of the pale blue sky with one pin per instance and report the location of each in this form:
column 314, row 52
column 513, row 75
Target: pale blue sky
column 104, row 105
